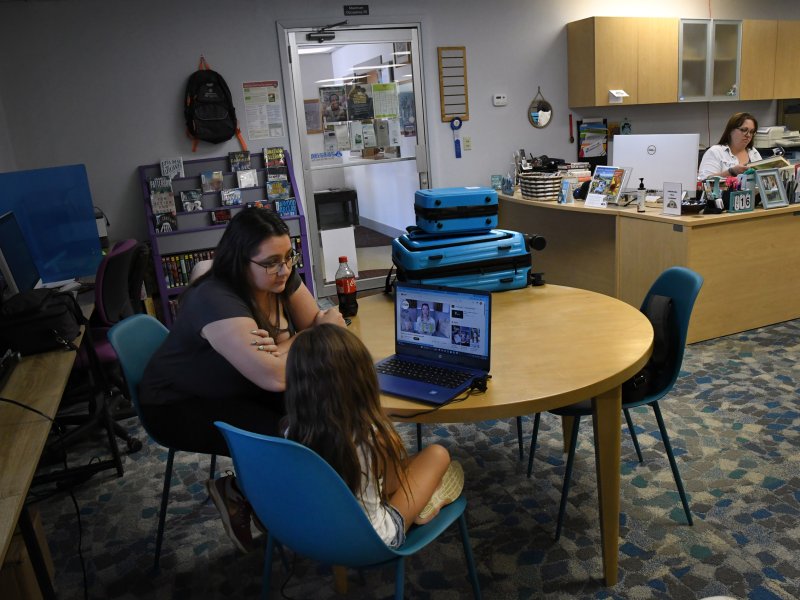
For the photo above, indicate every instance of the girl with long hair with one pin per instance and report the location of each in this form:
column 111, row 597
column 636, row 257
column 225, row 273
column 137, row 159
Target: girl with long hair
column 333, row 407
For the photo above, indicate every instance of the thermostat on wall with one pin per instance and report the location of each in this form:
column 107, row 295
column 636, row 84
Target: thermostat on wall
column 500, row 100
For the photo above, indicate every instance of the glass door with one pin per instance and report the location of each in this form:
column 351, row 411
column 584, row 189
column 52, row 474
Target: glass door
column 356, row 101
column 709, row 61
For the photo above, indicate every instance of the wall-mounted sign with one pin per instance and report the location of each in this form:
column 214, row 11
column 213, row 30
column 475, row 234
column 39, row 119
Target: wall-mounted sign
column 356, row 10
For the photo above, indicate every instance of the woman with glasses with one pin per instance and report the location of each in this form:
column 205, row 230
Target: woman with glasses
column 225, row 356
column 730, row 156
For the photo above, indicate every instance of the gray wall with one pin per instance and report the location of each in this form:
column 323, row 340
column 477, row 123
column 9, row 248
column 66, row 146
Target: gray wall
column 101, row 82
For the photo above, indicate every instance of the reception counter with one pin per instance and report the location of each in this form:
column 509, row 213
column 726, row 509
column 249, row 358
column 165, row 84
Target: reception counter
column 750, row 261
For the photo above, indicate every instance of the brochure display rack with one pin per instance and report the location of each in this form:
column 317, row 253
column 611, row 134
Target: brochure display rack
column 181, row 238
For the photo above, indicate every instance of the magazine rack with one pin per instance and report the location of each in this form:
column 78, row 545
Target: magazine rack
column 197, row 234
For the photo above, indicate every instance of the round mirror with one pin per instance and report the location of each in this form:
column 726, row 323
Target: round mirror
column 540, row 112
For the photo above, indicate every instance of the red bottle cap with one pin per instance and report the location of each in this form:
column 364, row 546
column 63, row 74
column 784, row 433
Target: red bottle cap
column 342, row 259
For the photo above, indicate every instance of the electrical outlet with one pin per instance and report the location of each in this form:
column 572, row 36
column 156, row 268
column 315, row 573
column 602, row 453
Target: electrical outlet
column 467, row 142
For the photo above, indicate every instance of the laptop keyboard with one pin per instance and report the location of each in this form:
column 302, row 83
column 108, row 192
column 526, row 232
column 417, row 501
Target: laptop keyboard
column 449, row 378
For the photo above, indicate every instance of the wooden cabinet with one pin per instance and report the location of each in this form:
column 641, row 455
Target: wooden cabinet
column 757, row 68
column 175, row 252
column 787, row 83
column 709, row 60
column 658, row 60
column 638, row 55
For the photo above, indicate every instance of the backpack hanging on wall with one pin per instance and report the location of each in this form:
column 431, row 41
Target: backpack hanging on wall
column 208, row 108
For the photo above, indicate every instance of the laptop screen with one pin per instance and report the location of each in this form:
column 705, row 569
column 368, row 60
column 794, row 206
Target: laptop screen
column 443, row 324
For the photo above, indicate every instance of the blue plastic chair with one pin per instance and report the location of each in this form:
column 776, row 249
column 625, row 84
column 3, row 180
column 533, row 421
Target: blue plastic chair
column 134, row 340
column 682, row 285
column 306, row 506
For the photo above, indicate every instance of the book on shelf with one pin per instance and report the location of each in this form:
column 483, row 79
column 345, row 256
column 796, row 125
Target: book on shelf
column 286, row 208
column 240, row 160
column 211, row 181
column 178, row 267
column 247, row 178
column 220, row 216
column 165, row 222
column 192, row 200
column 162, row 199
column 172, row 167
column 278, row 187
column 259, row 204
column 275, row 159
column 231, row 197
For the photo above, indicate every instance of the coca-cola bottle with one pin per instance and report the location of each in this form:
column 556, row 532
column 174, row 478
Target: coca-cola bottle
column 346, row 288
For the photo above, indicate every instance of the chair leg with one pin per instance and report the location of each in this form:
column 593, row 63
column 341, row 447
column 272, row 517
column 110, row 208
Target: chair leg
column 668, row 447
column 399, row 578
column 213, row 470
column 634, row 439
column 534, row 435
column 519, row 439
column 267, row 567
column 162, row 514
column 473, row 575
column 562, row 508
column 419, row 437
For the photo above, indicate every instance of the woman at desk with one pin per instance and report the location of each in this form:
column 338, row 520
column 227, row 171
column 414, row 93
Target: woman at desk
column 730, row 156
column 225, row 357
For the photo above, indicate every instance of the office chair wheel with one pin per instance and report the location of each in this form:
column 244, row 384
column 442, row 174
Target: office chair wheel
column 134, row 445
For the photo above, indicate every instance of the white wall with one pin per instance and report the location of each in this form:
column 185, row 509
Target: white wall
column 101, row 82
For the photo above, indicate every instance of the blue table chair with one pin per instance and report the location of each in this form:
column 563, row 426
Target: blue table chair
column 306, row 506
column 682, row 286
column 134, row 340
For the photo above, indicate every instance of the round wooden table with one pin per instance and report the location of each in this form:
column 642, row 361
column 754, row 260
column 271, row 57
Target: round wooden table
column 551, row 346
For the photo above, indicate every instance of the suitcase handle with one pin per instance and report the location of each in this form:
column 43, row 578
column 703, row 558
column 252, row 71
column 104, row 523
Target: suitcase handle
column 436, row 257
column 504, row 247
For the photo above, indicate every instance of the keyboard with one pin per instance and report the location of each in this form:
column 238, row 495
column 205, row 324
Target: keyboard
column 449, row 378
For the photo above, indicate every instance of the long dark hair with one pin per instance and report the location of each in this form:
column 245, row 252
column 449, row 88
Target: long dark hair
column 333, row 405
column 248, row 229
column 735, row 122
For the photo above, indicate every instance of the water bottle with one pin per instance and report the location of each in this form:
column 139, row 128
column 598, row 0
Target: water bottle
column 346, row 289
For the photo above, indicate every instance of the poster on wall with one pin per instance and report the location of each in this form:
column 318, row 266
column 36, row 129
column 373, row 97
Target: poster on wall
column 263, row 110
column 359, row 101
column 313, row 116
column 334, row 103
column 385, row 101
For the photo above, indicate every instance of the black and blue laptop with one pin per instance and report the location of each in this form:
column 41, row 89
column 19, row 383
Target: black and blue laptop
column 442, row 342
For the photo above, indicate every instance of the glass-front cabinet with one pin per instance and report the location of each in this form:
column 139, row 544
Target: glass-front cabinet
column 710, row 52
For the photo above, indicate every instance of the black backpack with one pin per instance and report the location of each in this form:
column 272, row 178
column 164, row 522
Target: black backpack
column 655, row 375
column 208, row 108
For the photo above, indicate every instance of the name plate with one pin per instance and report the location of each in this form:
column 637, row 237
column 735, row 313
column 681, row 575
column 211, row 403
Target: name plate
column 741, row 201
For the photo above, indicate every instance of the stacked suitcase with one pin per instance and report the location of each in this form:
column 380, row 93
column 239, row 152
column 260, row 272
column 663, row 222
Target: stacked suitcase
column 455, row 243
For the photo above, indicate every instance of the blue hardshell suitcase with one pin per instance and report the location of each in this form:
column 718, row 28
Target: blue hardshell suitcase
column 494, row 260
column 456, row 209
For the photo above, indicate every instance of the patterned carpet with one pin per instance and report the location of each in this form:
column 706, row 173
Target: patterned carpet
column 734, row 422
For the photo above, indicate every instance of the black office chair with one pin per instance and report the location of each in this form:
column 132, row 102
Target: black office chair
column 97, row 381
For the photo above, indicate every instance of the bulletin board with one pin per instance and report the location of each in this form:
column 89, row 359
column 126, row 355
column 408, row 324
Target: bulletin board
column 453, row 91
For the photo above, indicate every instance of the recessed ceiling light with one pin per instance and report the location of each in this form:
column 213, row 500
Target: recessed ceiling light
column 314, row 49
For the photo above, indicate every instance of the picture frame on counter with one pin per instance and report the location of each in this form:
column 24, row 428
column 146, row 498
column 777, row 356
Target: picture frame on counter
column 771, row 190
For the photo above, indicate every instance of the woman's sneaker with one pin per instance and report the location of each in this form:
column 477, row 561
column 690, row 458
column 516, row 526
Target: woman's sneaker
column 448, row 491
column 234, row 510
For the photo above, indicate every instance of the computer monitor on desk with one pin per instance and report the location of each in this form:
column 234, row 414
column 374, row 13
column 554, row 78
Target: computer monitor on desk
column 16, row 262
column 658, row 158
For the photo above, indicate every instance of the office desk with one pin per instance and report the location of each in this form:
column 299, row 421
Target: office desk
column 551, row 346
column 37, row 381
column 749, row 260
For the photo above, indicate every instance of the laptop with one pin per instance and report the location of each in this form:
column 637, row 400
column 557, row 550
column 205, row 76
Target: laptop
column 442, row 342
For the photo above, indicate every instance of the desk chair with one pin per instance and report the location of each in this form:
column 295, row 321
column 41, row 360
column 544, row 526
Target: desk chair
column 118, row 284
column 306, row 506
column 134, row 340
column 682, row 285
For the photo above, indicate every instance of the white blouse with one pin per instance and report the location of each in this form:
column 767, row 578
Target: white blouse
column 370, row 499
column 719, row 158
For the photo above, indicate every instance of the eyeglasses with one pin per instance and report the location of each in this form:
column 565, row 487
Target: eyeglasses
column 746, row 131
column 274, row 266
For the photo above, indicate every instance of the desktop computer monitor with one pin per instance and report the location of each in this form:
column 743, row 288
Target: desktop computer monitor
column 16, row 262
column 658, row 158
